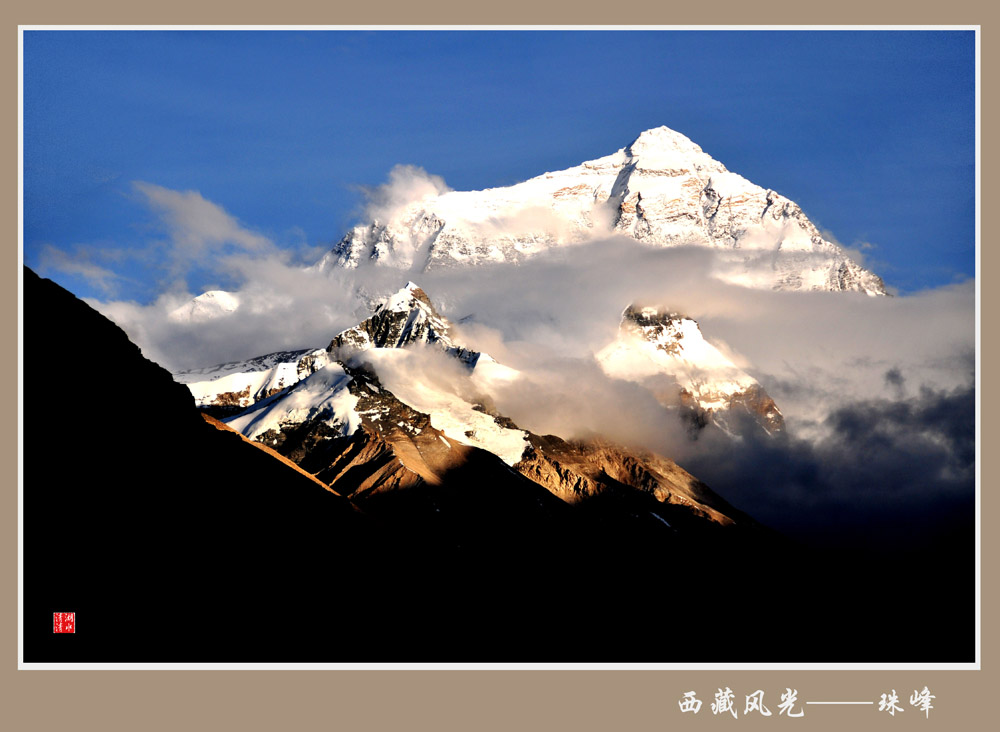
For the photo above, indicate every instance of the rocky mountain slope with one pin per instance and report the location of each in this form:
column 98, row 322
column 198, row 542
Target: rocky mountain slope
column 364, row 435
column 661, row 189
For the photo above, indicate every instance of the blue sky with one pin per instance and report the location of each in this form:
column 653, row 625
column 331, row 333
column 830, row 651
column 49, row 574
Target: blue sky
column 872, row 133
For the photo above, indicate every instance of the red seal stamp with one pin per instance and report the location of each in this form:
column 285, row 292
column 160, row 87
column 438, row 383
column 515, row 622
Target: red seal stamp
column 63, row 622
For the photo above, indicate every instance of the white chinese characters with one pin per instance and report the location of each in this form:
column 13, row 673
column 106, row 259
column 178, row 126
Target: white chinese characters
column 889, row 703
column 725, row 703
column 788, row 703
column 690, row 703
column 755, row 703
column 922, row 701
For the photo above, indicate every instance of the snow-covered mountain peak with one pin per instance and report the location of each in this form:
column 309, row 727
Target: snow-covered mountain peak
column 663, row 328
column 662, row 148
column 403, row 319
column 658, row 347
column 406, row 299
column 665, row 336
column 662, row 190
column 661, row 138
column 207, row 306
column 339, row 387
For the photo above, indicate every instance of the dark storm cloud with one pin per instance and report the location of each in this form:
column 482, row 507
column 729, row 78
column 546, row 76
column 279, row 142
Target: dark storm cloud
column 887, row 472
column 895, row 380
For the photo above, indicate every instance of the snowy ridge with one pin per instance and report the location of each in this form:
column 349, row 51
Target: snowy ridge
column 323, row 396
column 252, row 365
column 240, row 384
column 449, row 412
column 243, row 389
column 662, row 190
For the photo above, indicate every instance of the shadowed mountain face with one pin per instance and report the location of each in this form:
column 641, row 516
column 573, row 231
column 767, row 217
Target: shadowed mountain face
column 151, row 537
column 174, row 540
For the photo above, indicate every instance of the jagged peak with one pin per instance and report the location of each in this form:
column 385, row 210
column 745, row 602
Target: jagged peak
column 404, row 318
column 659, row 325
column 406, row 299
column 644, row 315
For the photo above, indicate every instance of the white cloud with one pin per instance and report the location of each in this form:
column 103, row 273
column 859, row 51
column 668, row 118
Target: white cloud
column 198, row 227
column 77, row 264
column 407, row 184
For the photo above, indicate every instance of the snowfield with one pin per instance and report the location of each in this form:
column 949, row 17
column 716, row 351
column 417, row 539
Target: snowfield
column 323, row 395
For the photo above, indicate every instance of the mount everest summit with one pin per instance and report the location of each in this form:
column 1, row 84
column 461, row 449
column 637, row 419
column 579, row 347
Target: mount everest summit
column 661, row 190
